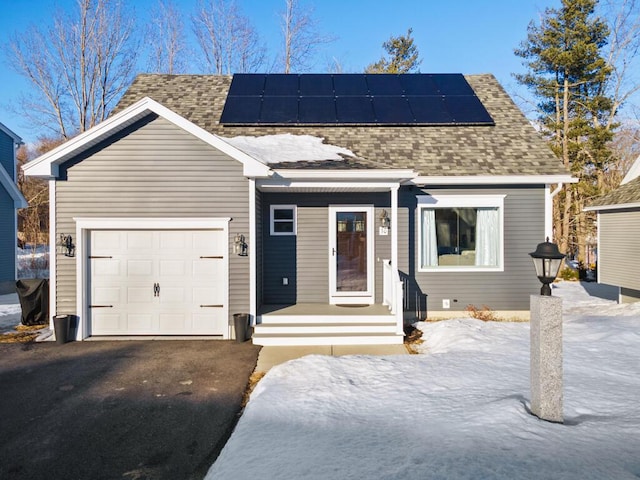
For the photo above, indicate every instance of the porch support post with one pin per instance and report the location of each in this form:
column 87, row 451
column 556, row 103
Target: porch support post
column 396, row 285
column 253, row 252
column 394, row 227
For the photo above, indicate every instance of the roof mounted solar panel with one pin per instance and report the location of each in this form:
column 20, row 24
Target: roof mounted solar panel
column 418, row 85
column 384, row 84
column 347, row 99
column 318, row 110
column 466, row 110
column 281, row 85
column 354, row 109
column 316, row 84
column 352, row 84
column 429, row 110
column 452, row 84
column 392, row 109
column 242, row 110
column 248, row 84
column 279, row 110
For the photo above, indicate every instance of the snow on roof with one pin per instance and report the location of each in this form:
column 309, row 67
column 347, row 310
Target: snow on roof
column 288, row 148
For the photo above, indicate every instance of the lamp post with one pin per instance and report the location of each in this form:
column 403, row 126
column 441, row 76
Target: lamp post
column 547, row 260
column 546, row 337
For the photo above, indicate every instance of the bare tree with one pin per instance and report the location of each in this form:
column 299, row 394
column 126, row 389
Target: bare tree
column 301, row 36
column 167, row 39
column 623, row 18
column 77, row 68
column 227, row 38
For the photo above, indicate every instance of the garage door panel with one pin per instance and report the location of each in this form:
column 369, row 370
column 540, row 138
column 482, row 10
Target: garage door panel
column 108, row 295
column 140, row 323
column 140, row 240
column 140, row 268
column 108, row 323
column 171, row 259
column 178, row 240
column 206, row 269
column 140, row 295
column 174, row 296
column 107, row 240
column 174, row 268
column 214, row 319
column 173, row 323
column 207, row 296
column 107, row 267
column 212, row 242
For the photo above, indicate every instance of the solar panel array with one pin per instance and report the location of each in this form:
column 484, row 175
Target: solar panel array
column 366, row 99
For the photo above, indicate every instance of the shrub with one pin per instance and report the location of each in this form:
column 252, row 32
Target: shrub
column 485, row 313
column 568, row 274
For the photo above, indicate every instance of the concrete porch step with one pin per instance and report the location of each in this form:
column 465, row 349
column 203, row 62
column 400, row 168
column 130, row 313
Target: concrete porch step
column 282, row 339
column 307, row 327
column 274, row 318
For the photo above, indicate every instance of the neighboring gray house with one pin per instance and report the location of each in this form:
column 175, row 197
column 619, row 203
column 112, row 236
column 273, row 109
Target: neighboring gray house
column 618, row 236
column 331, row 208
column 10, row 200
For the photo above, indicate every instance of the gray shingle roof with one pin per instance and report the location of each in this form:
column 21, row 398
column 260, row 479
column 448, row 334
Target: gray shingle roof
column 511, row 147
column 626, row 194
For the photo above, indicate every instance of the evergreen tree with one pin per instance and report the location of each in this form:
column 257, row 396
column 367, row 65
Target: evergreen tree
column 569, row 75
column 402, row 56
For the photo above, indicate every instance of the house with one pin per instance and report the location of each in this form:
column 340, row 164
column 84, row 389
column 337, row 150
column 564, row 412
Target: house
column 10, row 200
column 333, row 209
column 618, row 221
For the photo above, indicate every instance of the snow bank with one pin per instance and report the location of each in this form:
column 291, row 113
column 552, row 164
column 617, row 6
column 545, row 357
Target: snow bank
column 288, row 148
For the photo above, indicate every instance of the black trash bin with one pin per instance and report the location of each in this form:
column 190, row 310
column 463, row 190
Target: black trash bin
column 241, row 325
column 33, row 294
column 61, row 324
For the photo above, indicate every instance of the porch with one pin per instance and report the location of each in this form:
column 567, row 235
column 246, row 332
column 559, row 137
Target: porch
column 341, row 324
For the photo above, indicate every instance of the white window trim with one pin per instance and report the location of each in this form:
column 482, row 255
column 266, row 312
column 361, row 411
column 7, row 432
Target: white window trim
column 460, row 201
column 294, row 208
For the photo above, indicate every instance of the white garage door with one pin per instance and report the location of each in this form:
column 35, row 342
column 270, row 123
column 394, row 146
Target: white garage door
column 161, row 282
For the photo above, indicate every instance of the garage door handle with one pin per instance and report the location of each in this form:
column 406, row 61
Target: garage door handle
column 211, row 306
column 219, row 257
column 156, row 289
column 100, row 306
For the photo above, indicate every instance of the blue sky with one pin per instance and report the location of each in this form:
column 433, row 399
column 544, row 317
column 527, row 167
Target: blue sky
column 461, row 36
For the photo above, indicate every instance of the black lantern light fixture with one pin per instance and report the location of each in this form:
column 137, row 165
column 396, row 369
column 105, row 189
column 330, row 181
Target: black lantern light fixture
column 240, row 245
column 547, row 260
column 66, row 246
column 385, row 222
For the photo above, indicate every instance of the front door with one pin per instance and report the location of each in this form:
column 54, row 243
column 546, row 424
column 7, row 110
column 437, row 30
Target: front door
column 351, row 254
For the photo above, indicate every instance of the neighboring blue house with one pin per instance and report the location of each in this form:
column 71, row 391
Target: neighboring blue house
column 10, row 200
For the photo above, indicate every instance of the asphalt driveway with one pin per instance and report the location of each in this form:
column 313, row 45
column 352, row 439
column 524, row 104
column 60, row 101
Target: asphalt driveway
column 138, row 410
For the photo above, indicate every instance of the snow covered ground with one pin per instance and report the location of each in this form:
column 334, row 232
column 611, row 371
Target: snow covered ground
column 459, row 410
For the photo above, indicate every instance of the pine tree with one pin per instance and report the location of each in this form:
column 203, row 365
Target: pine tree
column 569, row 76
column 402, row 56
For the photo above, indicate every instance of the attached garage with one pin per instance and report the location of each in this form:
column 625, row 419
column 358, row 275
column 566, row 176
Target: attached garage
column 154, row 277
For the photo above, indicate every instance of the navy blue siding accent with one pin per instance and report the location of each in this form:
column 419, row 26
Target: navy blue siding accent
column 304, row 258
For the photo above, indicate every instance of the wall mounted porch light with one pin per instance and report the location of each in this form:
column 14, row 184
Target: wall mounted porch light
column 239, row 245
column 385, row 221
column 547, row 260
column 65, row 245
